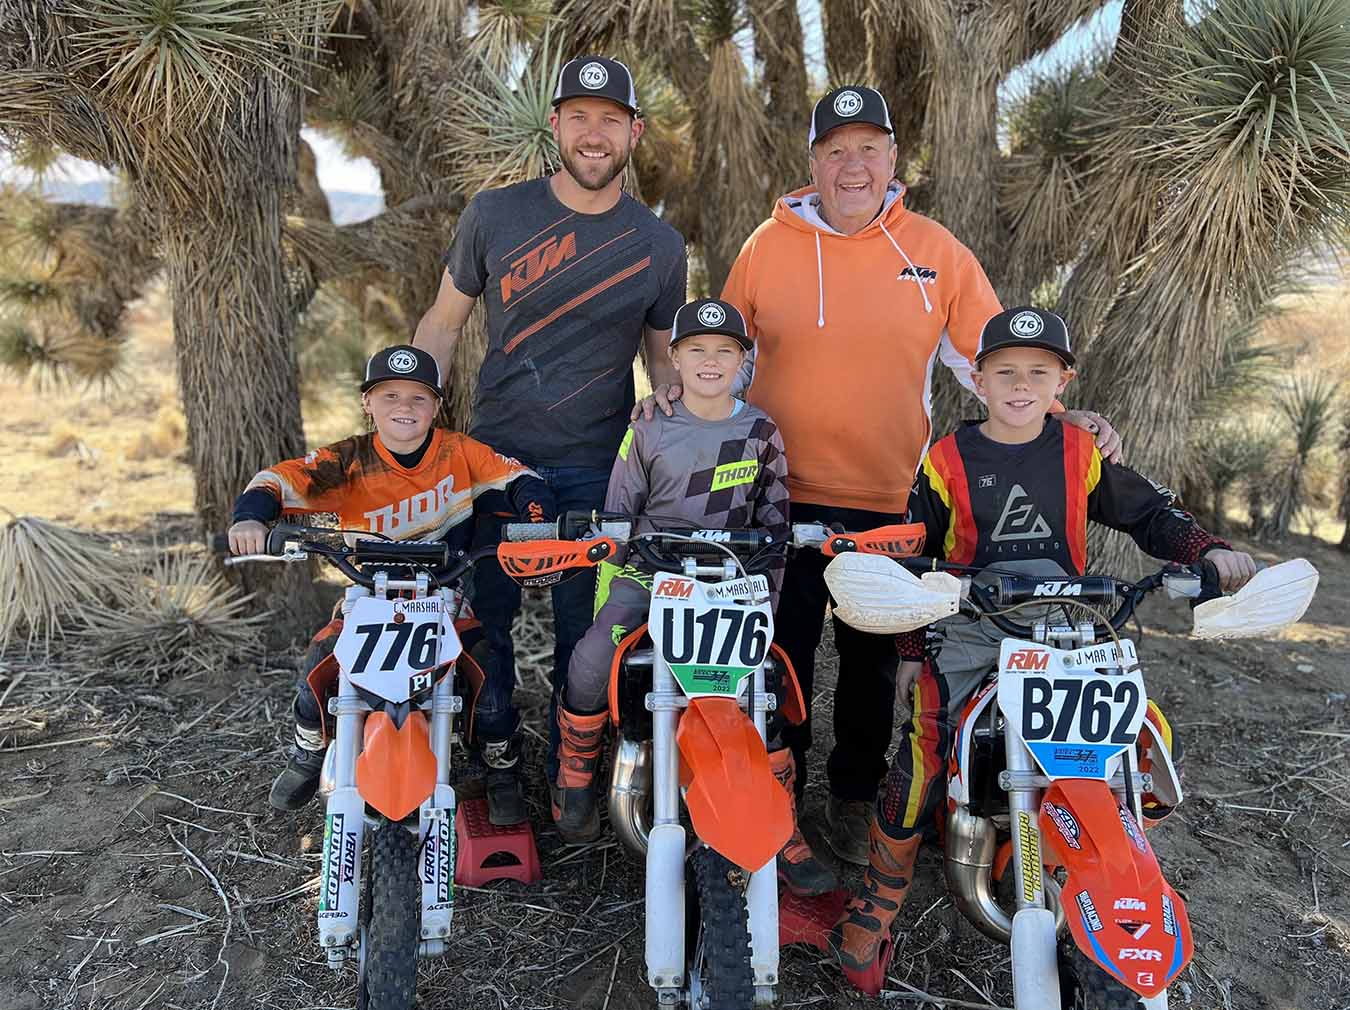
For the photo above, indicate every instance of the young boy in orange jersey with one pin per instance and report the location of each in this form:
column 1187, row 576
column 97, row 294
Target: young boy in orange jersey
column 407, row 481
column 1015, row 490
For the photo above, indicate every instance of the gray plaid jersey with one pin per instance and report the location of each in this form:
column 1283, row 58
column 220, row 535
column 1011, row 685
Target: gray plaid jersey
column 729, row 474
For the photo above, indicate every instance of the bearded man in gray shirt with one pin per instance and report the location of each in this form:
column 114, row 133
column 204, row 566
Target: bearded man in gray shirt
column 575, row 276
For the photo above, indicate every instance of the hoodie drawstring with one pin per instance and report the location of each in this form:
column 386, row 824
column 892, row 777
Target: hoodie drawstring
column 927, row 305
column 820, row 287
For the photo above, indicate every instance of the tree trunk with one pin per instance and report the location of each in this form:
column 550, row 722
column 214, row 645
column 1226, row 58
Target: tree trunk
column 780, row 54
column 895, row 67
column 845, row 41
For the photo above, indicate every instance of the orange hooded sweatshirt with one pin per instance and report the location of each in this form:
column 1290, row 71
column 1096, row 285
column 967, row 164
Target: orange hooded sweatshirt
column 847, row 329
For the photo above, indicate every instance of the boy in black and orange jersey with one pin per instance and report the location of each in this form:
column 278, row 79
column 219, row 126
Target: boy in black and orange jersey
column 1017, row 491
column 407, row 481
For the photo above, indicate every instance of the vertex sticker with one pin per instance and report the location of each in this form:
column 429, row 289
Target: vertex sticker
column 1030, row 837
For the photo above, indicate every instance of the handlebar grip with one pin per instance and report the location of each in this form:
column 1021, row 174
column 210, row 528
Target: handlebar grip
column 519, row 532
column 277, row 537
column 1210, row 589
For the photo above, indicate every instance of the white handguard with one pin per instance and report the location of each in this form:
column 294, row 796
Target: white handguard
column 872, row 593
column 1274, row 599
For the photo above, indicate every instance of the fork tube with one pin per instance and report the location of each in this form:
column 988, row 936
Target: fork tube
column 665, row 756
column 1024, row 810
column 442, row 713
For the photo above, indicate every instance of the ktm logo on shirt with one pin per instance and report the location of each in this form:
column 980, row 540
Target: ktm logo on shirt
column 543, row 258
column 924, row 275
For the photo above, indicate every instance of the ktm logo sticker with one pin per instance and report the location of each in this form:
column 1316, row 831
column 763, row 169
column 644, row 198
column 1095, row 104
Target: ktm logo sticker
column 535, row 264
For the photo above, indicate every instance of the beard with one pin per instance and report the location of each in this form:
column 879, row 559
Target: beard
column 591, row 176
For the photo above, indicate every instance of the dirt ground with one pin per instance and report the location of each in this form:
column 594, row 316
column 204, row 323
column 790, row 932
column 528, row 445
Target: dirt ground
column 140, row 866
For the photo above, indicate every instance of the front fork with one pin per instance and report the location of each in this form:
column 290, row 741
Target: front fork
column 344, row 828
column 666, row 852
column 1034, row 945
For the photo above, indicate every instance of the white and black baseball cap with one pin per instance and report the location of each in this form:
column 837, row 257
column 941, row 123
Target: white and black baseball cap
column 1026, row 326
column 596, row 77
column 402, row 361
column 846, row 106
column 710, row 315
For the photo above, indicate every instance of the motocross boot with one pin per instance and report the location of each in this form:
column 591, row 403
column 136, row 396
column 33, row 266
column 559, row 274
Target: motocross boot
column 861, row 938
column 799, row 869
column 505, row 794
column 299, row 780
column 573, row 794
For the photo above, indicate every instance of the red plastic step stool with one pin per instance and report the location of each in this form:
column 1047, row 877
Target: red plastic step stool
column 809, row 920
column 478, row 840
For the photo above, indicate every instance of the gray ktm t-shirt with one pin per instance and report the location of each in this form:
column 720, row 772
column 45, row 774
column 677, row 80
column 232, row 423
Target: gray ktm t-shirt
column 567, row 295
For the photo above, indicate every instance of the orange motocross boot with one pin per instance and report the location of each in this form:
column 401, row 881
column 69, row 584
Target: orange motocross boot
column 798, row 868
column 862, row 937
column 573, row 794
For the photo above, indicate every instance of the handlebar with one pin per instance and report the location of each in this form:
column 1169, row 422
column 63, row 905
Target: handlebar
column 1199, row 582
column 289, row 542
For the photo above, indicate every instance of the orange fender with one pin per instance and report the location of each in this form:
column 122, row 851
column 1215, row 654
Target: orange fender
column 323, row 682
column 735, row 804
column 397, row 769
column 1122, row 913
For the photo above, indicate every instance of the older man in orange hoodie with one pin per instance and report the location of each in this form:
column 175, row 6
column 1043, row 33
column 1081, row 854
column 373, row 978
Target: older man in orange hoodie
column 851, row 300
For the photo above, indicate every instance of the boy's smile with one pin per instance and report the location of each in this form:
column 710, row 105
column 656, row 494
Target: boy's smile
column 403, row 412
column 1020, row 385
column 707, row 363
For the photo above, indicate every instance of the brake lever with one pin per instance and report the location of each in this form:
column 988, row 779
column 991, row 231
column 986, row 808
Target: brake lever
column 288, row 557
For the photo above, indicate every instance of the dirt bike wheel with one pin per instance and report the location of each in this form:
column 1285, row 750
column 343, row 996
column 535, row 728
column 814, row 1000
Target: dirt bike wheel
column 720, row 976
column 1085, row 985
column 387, row 979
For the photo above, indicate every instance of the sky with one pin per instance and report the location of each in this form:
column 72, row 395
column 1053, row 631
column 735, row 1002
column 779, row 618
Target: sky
column 338, row 173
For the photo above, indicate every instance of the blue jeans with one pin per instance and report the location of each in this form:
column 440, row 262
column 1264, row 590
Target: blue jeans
column 496, row 601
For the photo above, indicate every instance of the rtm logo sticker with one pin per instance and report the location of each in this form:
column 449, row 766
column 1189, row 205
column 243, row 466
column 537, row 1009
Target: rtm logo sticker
column 1030, row 837
column 1029, row 659
column 1139, row 954
column 1058, row 589
column 674, row 589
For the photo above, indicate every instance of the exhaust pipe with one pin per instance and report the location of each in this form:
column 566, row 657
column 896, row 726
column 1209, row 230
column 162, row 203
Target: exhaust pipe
column 968, row 867
column 630, row 793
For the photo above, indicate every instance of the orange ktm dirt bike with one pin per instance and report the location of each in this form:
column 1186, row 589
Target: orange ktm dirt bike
column 398, row 668
column 1061, row 757
column 691, row 692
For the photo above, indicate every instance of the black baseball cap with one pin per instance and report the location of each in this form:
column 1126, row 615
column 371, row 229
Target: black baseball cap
column 403, row 361
column 845, row 106
column 1026, row 326
column 710, row 315
column 596, row 77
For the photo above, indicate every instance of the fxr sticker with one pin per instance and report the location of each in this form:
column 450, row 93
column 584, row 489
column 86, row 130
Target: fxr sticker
column 1030, row 837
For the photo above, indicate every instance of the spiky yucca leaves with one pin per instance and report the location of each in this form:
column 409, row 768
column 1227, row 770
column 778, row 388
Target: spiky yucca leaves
column 1308, row 406
column 497, row 127
column 1041, row 181
column 1239, row 129
column 506, row 30
column 48, row 588
column 181, row 617
column 1231, row 453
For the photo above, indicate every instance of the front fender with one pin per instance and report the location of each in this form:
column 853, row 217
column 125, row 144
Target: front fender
column 397, row 767
column 736, row 805
column 1121, row 911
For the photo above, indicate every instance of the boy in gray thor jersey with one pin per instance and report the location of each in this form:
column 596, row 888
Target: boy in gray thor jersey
column 715, row 463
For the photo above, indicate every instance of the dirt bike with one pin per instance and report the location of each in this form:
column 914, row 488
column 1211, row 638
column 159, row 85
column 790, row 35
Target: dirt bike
column 690, row 694
column 1061, row 758
column 396, row 668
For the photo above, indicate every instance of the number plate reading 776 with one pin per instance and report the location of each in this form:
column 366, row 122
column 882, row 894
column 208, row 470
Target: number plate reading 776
column 392, row 648
column 1073, row 719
